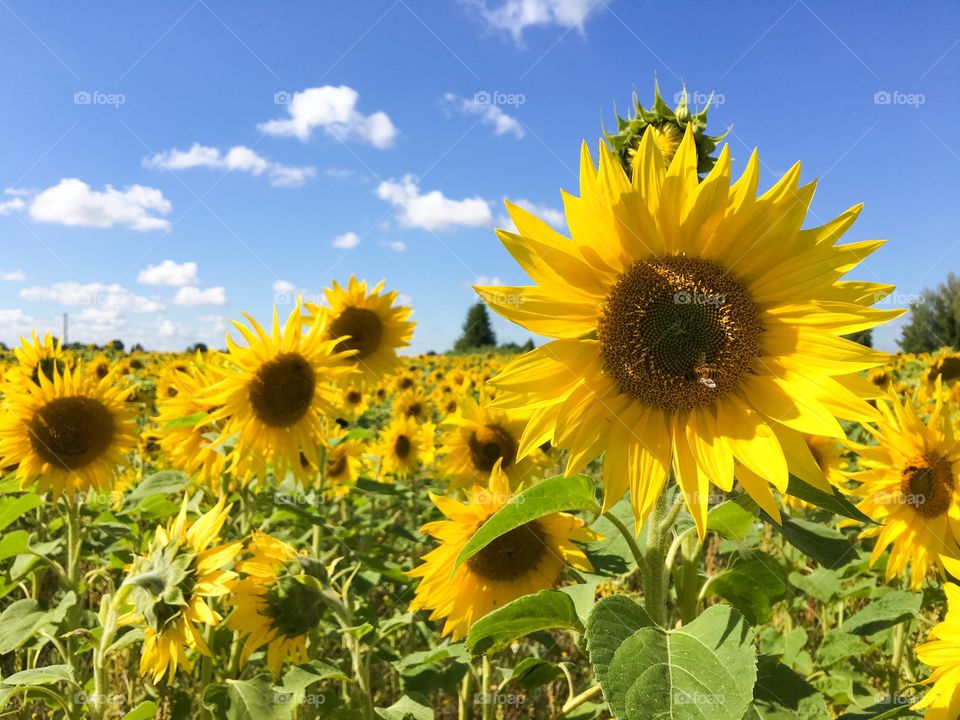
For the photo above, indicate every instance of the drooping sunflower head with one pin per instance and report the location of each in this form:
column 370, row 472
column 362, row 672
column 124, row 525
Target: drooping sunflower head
column 275, row 392
column 369, row 323
column 911, row 487
column 525, row 560
column 170, row 586
column 667, row 126
column 71, row 432
column 277, row 602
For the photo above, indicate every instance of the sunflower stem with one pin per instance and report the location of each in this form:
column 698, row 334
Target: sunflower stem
column 486, row 699
column 628, row 537
column 578, row 700
column 466, row 688
column 659, row 524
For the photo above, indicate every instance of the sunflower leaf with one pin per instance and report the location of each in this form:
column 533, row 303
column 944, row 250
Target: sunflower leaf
column 553, row 495
column 836, row 502
column 545, row 610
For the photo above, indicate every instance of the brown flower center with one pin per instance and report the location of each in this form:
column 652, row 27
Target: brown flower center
column 71, row 432
column 927, row 484
column 282, row 390
column 402, row 446
column 488, row 444
column 678, row 332
column 364, row 328
column 512, row 555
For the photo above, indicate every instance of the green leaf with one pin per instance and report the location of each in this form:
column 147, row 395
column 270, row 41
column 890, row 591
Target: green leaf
column 406, row 708
column 821, row 583
column 612, row 621
column 886, row 710
column 553, row 495
column 782, row 694
column 705, row 669
column 839, row 645
column 884, row 611
column 611, row 556
column 257, row 700
column 752, row 586
column 532, row 672
column 545, row 610
column 14, row 543
column 827, row 546
column 41, row 676
column 188, row 421
column 21, row 621
column 165, row 482
column 147, row 710
column 14, row 508
column 835, row 502
column 733, row 518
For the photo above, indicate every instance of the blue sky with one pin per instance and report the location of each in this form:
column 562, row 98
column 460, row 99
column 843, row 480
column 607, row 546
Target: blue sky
column 359, row 145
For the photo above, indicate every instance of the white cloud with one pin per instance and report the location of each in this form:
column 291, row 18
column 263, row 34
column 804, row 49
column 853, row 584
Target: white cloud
column 8, row 207
column 515, row 16
column 346, row 241
column 433, row 210
column 169, row 273
column 284, row 287
column 553, row 217
column 488, row 113
column 113, row 297
column 195, row 296
column 14, row 323
column 12, row 276
column 486, row 280
column 396, row 245
column 72, row 202
column 334, row 110
column 236, row 159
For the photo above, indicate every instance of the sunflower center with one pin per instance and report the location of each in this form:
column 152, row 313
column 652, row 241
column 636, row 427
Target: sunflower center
column 678, row 332
column 338, row 467
column 402, row 446
column 512, row 555
column 354, row 397
column 364, row 328
column 927, row 484
column 282, row 390
column 948, row 368
column 294, row 607
column 488, row 444
column 415, row 409
column 71, row 432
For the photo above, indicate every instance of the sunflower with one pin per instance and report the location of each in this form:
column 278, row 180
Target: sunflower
column 369, row 323
column 405, row 445
column 344, row 462
column 942, row 653
column 414, row 404
column 478, row 437
column 171, row 585
column 697, row 327
column 275, row 392
column 36, row 357
column 910, row 486
column 525, row 560
column 353, row 402
column 71, row 432
column 942, row 373
column 276, row 603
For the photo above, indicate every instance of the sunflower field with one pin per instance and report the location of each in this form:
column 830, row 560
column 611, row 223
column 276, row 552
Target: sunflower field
column 699, row 499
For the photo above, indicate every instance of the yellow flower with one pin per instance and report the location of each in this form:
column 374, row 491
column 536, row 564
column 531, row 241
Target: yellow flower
column 414, row 404
column 525, row 560
column 367, row 322
column 275, row 392
column 71, row 431
column 910, row 486
column 404, row 446
column 942, row 653
column 697, row 327
column 171, row 587
column 344, row 462
column 36, row 357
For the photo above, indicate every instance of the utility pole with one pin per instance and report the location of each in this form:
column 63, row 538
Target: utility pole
column 65, row 338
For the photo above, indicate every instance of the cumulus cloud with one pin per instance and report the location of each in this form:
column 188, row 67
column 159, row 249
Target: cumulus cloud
column 236, row 159
column 211, row 297
column 284, row 287
column 12, row 276
column 396, row 245
column 488, row 113
column 346, row 241
column 485, row 281
column 433, row 210
column 333, row 110
column 72, row 202
column 553, row 217
column 14, row 323
column 8, row 207
column 169, row 273
column 515, row 16
column 98, row 295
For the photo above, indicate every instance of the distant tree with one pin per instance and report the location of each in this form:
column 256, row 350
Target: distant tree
column 477, row 331
column 934, row 319
column 138, row 348
column 202, row 347
column 864, row 337
column 116, row 345
column 528, row 346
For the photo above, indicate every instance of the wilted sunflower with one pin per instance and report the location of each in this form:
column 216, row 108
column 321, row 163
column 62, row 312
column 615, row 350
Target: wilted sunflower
column 911, row 487
column 369, row 323
column 941, row 652
column 698, row 326
column 479, row 436
column 525, row 560
column 171, row 585
column 71, row 433
column 275, row 392
column 404, row 446
column 276, row 603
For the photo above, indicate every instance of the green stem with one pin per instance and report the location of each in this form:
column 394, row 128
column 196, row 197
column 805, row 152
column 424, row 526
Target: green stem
column 628, row 536
column 654, row 576
column 74, row 544
column 575, row 702
column 486, row 700
column 466, row 691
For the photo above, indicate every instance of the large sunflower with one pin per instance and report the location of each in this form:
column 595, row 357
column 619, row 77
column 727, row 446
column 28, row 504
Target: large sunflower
column 525, row 560
column 275, row 392
column 697, row 327
column 172, row 584
column 911, row 487
column 368, row 322
column 941, row 652
column 275, row 603
column 477, row 437
column 70, row 431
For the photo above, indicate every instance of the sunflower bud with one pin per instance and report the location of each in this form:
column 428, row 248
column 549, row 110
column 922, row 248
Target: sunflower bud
column 295, row 604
